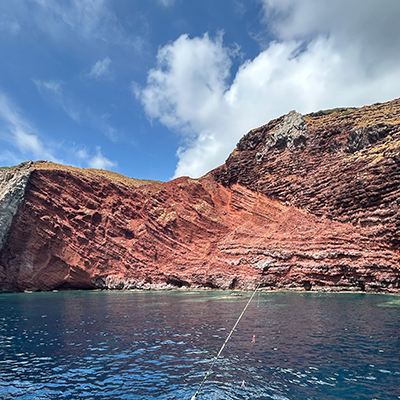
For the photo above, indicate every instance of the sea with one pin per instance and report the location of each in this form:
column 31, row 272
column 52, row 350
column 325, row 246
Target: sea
column 160, row 345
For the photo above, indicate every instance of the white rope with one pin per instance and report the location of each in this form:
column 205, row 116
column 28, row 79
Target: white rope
column 223, row 346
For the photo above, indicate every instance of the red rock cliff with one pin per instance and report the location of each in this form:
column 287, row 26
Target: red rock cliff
column 302, row 203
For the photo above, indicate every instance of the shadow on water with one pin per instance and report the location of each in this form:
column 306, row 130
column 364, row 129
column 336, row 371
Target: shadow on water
column 158, row 345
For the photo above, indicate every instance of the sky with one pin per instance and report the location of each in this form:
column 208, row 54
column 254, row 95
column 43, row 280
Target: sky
column 157, row 89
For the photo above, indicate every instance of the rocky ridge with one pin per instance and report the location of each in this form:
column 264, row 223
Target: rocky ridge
column 303, row 203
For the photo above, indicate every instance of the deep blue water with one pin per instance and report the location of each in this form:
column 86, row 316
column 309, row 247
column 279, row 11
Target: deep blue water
column 158, row 345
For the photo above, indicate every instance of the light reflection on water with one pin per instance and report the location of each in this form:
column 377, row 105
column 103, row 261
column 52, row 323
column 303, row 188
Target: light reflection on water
column 158, row 345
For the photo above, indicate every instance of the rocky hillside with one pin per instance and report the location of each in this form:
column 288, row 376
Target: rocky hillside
column 305, row 203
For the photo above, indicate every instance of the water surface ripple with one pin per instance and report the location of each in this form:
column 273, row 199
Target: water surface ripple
column 158, row 345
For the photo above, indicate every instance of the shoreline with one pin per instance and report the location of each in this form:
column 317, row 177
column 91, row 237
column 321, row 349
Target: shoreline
column 232, row 292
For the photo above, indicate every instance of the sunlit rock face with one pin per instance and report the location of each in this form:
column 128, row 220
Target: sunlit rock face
column 303, row 203
column 346, row 169
column 12, row 190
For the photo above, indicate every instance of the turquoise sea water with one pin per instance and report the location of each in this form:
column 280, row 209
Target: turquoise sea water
column 158, row 345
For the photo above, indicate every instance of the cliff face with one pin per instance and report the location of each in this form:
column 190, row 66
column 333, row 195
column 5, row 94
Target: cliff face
column 342, row 165
column 304, row 202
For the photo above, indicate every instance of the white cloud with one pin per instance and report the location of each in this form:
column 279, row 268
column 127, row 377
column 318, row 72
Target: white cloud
column 326, row 54
column 21, row 133
column 364, row 26
column 87, row 19
column 101, row 123
column 166, row 3
column 97, row 160
column 185, row 91
column 189, row 77
column 18, row 132
column 53, row 92
column 76, row 24
column 9, row 25
column 82, row 154
column 53, row 86
column 101, row 69
column 29, row 143
column 91, row 19
column 9, row 158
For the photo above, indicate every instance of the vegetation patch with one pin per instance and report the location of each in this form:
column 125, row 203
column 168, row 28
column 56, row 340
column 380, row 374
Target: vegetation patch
column 93, row 173
column 347, row 112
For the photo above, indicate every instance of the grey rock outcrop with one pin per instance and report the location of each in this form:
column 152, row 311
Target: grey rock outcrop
column 291, row 133
column 12, row 189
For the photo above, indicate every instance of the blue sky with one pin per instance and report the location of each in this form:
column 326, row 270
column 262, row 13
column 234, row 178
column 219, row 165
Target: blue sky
column 162, row 88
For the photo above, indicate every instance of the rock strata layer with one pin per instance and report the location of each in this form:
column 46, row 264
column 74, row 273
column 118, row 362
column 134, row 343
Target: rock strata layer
column 303, row 203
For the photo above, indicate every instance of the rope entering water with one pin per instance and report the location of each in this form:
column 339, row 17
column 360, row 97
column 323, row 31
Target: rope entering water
column 224, row 344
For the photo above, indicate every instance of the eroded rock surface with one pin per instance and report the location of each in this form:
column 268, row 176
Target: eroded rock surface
column 291, row 133
column 12, row 190
column 318, row 210
column 348, row 171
